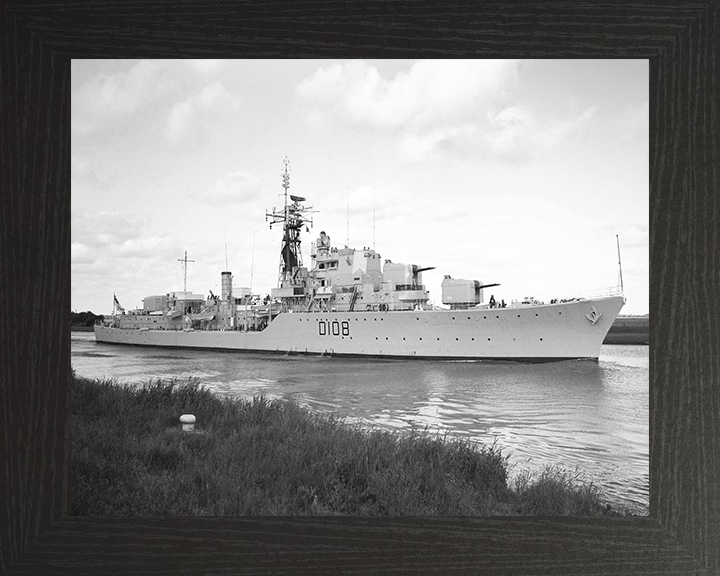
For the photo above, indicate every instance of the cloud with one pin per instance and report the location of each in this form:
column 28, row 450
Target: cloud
column 184, row 123
column 430, row 94
column 237, row 187
column 117, row 236
column 457, row 107
column 516, row 134
column 107, row 98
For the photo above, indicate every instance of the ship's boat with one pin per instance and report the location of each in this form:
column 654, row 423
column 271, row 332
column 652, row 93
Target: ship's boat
column 351, row 302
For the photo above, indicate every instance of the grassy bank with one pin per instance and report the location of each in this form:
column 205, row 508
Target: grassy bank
column 272, row 457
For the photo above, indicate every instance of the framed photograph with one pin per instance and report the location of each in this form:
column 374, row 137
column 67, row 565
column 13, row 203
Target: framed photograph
column 38, row 45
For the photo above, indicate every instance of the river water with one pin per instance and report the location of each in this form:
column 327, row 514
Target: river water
column 583, row 416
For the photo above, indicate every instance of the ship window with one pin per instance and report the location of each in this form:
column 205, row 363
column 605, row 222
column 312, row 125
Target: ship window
column 519, row 315
column 473, row 339
column 488, row 339
column 540, row 339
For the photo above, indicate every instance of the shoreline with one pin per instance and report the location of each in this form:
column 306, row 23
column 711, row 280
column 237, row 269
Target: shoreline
column 273, row 457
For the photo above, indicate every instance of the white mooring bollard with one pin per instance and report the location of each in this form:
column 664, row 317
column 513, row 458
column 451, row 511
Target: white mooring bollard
column 188, row 422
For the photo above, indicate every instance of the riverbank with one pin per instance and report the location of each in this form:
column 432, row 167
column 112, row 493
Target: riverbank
column 273, row 457
column 629, row 330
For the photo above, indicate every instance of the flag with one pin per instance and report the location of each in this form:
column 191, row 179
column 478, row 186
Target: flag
column 117, row 305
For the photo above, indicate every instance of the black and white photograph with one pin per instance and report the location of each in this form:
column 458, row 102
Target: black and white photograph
column 360, row 287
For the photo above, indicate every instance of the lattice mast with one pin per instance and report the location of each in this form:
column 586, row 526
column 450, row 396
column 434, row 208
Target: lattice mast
column 293, row 217
column 185, row 263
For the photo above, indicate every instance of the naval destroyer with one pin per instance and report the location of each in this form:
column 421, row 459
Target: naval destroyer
column 351, row 302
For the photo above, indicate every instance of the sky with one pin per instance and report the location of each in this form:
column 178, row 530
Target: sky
column 517, row 172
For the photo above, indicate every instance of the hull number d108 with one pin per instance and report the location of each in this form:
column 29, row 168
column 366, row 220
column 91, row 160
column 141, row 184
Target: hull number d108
column 334, row 328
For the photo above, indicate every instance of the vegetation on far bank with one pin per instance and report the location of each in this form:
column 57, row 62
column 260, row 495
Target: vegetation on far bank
column 273, row 457
column 84, row 319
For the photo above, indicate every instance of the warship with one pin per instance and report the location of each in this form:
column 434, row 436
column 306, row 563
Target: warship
column 351, row 302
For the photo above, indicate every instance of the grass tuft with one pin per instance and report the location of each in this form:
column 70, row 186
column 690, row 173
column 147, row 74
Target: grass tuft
column 272, row 457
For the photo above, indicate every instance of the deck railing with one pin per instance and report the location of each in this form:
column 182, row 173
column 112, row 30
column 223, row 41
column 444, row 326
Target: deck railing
column 579, row 295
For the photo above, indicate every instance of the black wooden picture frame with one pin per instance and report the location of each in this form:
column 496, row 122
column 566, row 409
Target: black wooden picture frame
column 681, row 42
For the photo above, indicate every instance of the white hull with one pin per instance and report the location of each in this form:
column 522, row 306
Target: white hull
column 542, row 332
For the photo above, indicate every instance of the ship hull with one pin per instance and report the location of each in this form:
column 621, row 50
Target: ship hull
column 533, row 333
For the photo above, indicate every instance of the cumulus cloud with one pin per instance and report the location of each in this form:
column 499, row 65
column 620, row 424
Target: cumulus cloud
column 436, row 107
column 107, row 98
column 430, row 93
column 184, row 124
column 114, row 235
column 516, row 134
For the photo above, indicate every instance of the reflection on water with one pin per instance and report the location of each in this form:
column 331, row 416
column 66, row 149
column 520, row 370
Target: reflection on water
column 592, row 416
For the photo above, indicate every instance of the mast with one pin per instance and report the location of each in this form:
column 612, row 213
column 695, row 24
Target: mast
column 617, row 238
column 185, row 263
column 293, row 218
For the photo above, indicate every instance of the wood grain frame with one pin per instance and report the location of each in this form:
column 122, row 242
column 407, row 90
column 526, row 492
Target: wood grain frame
column 682, row 42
